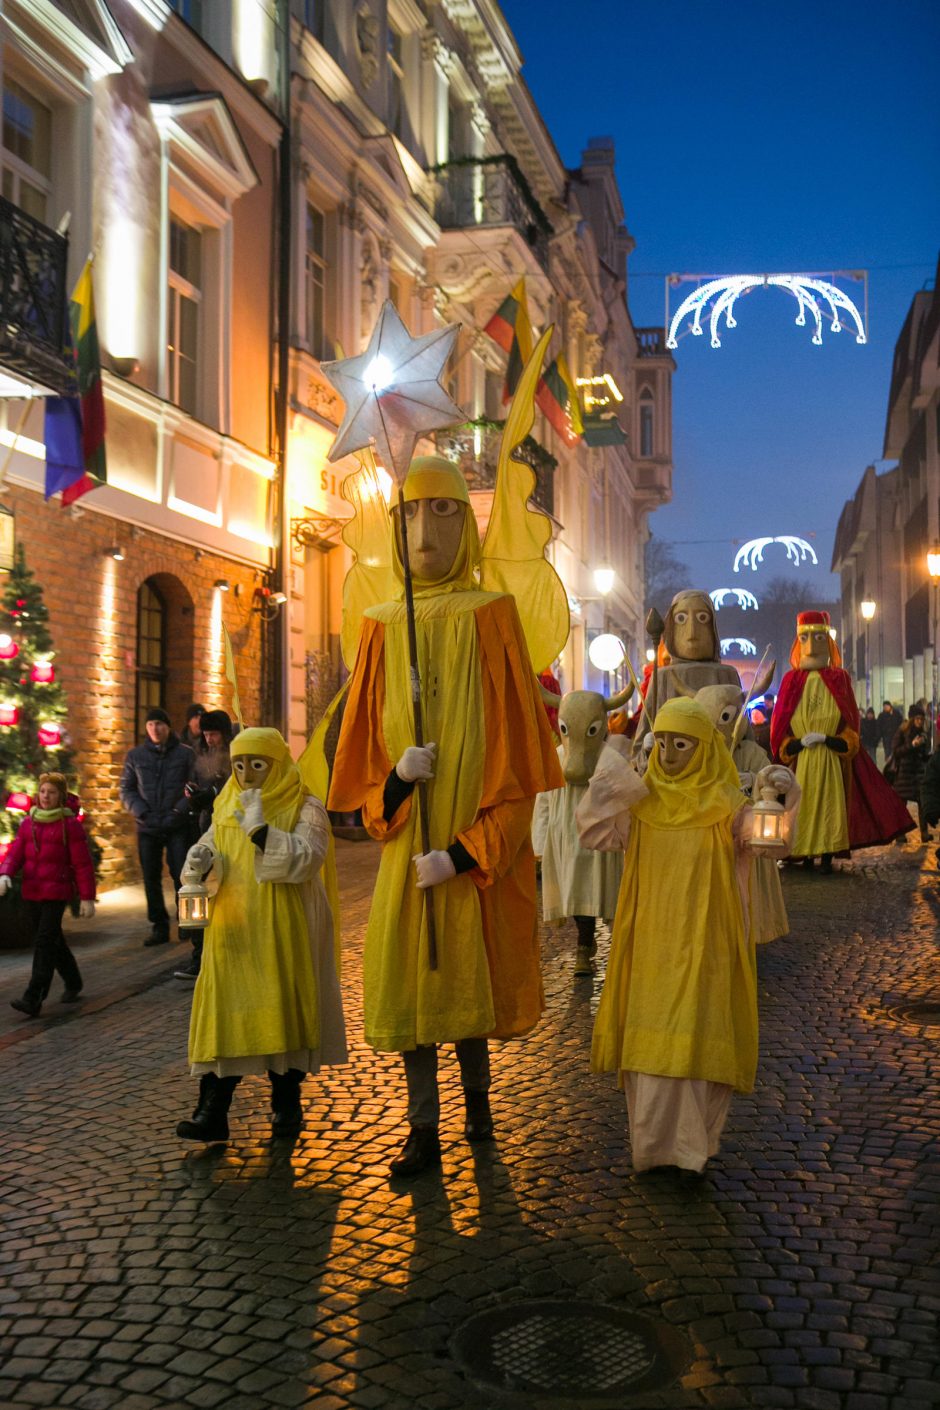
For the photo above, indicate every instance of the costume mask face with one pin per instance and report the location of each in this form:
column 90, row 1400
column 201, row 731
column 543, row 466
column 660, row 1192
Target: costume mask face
column 814, row 647
column 676, row 751
column 435, row 528
column 582, row 724
column 690, row 629
column 251, row 770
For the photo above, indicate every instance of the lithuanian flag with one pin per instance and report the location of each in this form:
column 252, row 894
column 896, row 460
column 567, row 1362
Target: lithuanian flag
column 511, row 330
column 557, row 397
column 74, row 425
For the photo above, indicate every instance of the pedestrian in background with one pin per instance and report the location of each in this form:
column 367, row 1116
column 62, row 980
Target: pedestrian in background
column 52, row 851
column 213, row 769
column 889, row 722
column 153, row 788
column 190, row 734
column 870, row 731
column 761, row 727
column 910, row 751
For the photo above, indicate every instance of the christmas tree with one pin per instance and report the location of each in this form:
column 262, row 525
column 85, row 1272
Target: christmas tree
column 33, row 709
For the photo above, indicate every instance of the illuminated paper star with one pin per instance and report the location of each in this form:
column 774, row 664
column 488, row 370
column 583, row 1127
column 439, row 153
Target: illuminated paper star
column 393, row 392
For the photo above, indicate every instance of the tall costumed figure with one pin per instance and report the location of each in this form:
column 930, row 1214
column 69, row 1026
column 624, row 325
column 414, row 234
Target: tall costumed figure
column 444, row 743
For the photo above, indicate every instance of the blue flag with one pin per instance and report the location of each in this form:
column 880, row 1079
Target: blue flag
column 65, row 456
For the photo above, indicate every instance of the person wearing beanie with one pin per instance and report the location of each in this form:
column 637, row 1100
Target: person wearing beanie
column 814, row 730
column 153, row 788
column 190, row 734
column 910, row 751
column 213, row 771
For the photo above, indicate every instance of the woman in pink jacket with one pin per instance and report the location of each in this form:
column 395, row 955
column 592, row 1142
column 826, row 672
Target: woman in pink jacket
column 52, row 850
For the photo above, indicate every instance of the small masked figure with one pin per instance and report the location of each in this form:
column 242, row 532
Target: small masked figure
column 267, row 999
column 815, row 730
column 491, row 753
column 677, row 1019
column 576, row 883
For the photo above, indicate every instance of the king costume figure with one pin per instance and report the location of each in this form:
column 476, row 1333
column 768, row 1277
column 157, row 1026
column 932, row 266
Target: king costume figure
column 815, row 731
column 491, row 754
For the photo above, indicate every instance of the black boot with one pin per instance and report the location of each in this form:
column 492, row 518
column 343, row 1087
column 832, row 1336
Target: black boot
column 479, row 1123
column 210, row 1119
column 287, row 1113
column 421, row 1151
column 825, row 864
column 26, row 1005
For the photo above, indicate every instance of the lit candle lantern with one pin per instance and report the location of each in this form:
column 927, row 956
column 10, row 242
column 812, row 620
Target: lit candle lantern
column 43, row 673
column 8, row 647
column 9, row 713
column 193, row 901
column 767, row 827
column 50, row 736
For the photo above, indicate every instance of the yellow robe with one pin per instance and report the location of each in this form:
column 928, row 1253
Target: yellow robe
column 495, row 754
column 823, row 824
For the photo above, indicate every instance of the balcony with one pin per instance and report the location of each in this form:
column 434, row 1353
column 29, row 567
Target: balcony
column 651, row 342
column 33, row 302
column 474, row 447
column 490, row 192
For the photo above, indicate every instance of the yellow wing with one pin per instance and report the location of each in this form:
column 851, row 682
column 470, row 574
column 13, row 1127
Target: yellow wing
column 315, row 772
column 513, row 557
column 368, row 534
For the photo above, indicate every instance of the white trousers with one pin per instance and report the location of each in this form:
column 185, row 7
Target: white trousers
column 674, row 1120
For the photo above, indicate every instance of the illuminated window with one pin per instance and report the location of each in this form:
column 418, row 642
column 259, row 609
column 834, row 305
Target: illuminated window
column 27, row 150
column 184, row 299
column 315, row 281
column 151, row 653
column 646, row 424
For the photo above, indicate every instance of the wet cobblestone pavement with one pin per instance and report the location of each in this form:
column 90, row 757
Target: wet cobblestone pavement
column 137, row 1273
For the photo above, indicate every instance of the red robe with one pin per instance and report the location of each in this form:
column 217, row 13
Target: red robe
column 876, row 814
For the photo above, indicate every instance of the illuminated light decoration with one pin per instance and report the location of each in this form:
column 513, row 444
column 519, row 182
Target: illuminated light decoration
column 18, row 803
column 49, row 735
column 598, row 398
column 745, row 598
column 743, row 644
column 607, row 652
column 604, row 579
column 9, row 713
column 43, row 672
column 8, row 647
column 809, row 291
column 752, row 552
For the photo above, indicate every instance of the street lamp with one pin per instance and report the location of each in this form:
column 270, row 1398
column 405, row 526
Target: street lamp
column 933, row 569
column 604, row 580
column 867, row 610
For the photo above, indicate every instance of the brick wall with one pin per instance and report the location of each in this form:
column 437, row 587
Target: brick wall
column 92, row 602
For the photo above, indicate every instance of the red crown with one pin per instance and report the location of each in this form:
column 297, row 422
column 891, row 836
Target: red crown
column 813, row 619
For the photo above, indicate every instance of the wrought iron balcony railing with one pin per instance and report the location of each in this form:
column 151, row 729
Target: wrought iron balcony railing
column 475, row 191
column 33, row 301
column 652, row 342
column 475, row 448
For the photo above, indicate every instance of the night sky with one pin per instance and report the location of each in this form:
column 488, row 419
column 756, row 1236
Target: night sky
column 757, row 138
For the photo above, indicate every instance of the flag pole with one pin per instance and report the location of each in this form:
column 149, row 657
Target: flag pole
column 27, row 403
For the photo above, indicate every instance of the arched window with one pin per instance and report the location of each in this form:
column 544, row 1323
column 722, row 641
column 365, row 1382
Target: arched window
column 646, row 424
column 151, row 653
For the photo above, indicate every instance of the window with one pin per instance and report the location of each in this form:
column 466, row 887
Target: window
column 396, row 82
column 27, row 150
column 184, row 299
column 151, row 653
column 188, row 10
column 646, row 425
column 315, row 282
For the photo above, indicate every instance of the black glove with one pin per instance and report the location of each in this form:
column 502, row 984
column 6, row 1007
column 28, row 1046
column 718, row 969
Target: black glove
column 837, row 745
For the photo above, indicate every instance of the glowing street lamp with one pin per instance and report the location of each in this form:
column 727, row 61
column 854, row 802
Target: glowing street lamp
column 604, row 580
column 867, row 609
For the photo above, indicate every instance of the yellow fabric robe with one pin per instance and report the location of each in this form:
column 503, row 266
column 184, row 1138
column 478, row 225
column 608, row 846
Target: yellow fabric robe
column 495, row 754
column 823, row 824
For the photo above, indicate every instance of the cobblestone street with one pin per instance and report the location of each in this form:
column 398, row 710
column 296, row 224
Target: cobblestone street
column 137, row 1272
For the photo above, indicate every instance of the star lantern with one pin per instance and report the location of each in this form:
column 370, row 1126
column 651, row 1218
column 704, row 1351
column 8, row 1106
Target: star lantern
column 393, row 392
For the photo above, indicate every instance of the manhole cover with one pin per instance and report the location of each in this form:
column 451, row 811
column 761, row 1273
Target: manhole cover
column 923, row 1013
column 568, row 1349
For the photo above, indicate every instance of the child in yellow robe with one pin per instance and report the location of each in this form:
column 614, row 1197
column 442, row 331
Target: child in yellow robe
column 491, row 753
column 678, row 1014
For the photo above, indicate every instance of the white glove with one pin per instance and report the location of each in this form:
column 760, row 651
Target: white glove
column 433, row 868
column 250, row 811
column 648, row 741
column 814, row 737
column 86, row 909
column 746, row 780
column 5, row 884
column 775, row 776
column 198, row 861
column 416, row 764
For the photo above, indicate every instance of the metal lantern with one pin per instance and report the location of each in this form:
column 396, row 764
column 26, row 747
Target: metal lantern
column 767, row 827
column 193, row 902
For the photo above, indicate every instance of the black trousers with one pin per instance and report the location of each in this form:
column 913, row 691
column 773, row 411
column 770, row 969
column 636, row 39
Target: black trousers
column 150, row 848
column 51, row 953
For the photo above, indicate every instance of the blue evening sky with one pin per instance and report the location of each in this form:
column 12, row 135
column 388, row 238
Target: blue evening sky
column 759, row 137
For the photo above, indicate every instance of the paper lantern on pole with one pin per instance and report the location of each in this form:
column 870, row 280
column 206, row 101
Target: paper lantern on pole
column 43, row 672
column 9, row 713
column 50, row 735
column 8, row 647
column 18, row 803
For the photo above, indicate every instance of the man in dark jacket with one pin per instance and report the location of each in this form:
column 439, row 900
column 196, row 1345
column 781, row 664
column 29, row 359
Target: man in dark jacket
column 213, row 768
column 153, row 788
column 889, row 722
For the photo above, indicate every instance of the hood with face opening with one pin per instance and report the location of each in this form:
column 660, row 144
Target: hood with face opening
column 704, row 793
column 282, row 792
